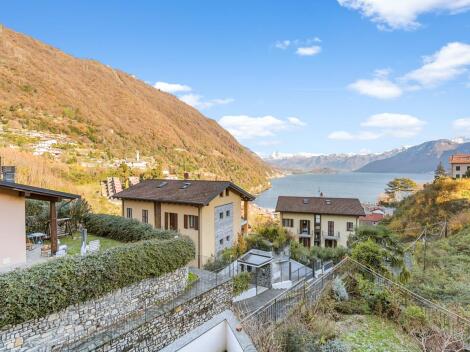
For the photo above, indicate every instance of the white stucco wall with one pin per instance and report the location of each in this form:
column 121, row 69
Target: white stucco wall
column 12, row 228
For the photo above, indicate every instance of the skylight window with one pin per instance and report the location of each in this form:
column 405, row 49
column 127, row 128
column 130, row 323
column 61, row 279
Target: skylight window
column 162, row 184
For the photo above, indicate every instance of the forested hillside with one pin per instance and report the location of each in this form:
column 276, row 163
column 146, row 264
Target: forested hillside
column 112, row 114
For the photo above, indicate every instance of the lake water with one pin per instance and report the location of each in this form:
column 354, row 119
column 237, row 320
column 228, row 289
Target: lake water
column 365, row 186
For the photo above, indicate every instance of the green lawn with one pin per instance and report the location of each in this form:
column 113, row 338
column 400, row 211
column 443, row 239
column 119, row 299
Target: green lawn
column 370, row 333
column 74, row 243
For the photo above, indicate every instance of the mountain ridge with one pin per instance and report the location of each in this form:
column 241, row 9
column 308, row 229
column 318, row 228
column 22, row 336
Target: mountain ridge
column 114, row 114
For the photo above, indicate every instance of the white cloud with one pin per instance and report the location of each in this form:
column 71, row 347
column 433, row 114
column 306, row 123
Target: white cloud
column 196, row 101
column 395, row 125
column 172, row 87
column 381, row 88
column 348, row 136
column 403, row 14
column 462, row 126
column 308, row 50
column 249, row 127
column 383, row 125
column 449, row 62
column 282, row 44
column 296, row 121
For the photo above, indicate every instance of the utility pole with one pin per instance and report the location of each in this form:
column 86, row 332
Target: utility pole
column 425, row 248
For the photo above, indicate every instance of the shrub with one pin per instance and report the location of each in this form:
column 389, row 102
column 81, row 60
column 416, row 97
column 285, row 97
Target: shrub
column 241, row 283
column 122, row 229
column 413, row 319
column 339, row 290
column 54, row 285
column 335, row 346
column 353, row 306
column 326, row 253
column 256, row 241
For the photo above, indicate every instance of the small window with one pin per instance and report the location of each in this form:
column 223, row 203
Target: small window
column 192, row 222
column 457, row 176
column 227, row 213
column 317, row 219
column 242, row 267
column 227, row 192
column 350, row 226
column 457, row 168
column 221, row 215
column 145, row 216
column 129, row 213
column 249, row 268
column 221, row 241
column 227, row 238
column 221, row 194
column 288, row 222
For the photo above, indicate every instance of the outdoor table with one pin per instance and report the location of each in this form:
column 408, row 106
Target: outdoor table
column 36, row 237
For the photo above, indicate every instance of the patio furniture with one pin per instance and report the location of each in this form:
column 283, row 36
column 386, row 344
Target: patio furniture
column 29, row 244
column 94, row 246
column 46, row 250
column 36, row 237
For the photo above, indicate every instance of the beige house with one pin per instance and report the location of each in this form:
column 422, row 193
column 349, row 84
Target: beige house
column 209, row 212
column 460, row 164
column 13, row 219
column 320, row 221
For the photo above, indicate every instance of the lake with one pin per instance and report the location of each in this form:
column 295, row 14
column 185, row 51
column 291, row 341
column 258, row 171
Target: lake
column 365, row 186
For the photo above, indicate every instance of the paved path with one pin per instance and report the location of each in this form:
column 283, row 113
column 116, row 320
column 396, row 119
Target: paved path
column 251, row 304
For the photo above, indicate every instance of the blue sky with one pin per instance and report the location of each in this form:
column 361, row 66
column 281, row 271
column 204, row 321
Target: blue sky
column 316, row 76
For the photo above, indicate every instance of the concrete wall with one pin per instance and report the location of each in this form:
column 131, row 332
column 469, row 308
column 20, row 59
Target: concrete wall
column 12, row 228
column 339, row 220
column 76, row 322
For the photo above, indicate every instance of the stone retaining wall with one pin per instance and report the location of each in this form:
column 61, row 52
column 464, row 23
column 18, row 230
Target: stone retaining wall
column 166, row 328
column 76, row 322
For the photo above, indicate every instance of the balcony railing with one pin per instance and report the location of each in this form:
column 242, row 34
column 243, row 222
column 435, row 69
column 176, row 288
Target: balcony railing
column 331, row 235
column 304, row 232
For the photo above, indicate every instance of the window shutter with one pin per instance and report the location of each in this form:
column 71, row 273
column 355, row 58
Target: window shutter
column 196, row 222
column 166, row 221
column 185, row 221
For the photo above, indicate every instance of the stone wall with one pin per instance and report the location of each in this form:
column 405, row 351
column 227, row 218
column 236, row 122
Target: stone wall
column 166, row 328
column 76, row 322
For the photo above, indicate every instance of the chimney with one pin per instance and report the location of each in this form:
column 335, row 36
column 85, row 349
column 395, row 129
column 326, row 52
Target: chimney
column 186, row 175
column 8, row 173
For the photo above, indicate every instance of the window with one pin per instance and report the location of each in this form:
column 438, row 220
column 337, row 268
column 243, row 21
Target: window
column 129, row 213
column 249, row 268
column 288, row 222
column 349, row 226
column 227, row 192
column 227, row 213
column 317, row 219
column 171, row 221
column 227, row 238
column 221, row 241
column 145, row 216
column 191, row 222
column 221, row 194
column 221, row 215
column 242, row 267
column 457, row 176
column 457, row 168
column 331, row 228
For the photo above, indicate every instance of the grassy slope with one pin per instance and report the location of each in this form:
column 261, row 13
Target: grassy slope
column 75, row 242
column 115, row 114
column 447, row 275
column 370, row 333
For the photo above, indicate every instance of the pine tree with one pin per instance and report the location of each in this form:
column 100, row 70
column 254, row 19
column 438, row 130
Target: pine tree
column 440, row 171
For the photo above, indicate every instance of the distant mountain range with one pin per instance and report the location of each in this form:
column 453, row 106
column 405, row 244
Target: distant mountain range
column 421, row 158
column 328, row 162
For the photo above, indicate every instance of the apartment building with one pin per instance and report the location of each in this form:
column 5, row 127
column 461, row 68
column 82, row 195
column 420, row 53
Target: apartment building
column 320, row 221
column 209, row 212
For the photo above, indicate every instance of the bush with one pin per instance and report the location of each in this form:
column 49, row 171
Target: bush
column 413, row 319
column 326, row 253
column 353, row 306
column 123, row 229
column 241, row 283
column 256, row 241
column 54, row 285
column 339, row 290
column 335, row 346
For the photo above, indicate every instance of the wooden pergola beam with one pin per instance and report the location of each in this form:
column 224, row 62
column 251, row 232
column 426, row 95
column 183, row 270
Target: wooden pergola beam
column 53, row 227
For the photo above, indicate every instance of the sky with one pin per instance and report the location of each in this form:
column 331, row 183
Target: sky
column 304, row 76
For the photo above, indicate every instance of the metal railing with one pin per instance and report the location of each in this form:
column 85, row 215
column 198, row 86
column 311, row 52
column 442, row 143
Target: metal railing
column 309, row 291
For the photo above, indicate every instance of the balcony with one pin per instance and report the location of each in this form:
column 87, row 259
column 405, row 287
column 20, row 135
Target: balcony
column 304, row 233
column 331, row 235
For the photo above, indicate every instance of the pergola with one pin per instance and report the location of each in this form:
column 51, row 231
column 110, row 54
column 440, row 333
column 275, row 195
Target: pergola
column 53, row 197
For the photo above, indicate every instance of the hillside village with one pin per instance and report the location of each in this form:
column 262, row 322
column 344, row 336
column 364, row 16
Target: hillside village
column 129, row 220
column 315, row 245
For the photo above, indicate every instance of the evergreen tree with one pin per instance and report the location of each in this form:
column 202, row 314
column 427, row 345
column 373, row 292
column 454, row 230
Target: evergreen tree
column 440, row 171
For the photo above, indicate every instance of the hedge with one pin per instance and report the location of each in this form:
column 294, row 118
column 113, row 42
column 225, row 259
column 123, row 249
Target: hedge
column 54, row 285
column 122, row 229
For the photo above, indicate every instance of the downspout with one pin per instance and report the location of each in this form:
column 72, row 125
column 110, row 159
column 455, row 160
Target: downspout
column 199, row 237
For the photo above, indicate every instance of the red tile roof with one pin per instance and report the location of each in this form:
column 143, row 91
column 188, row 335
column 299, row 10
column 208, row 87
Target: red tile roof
column 372, row 217
column 320, row 205
column 460, row 159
